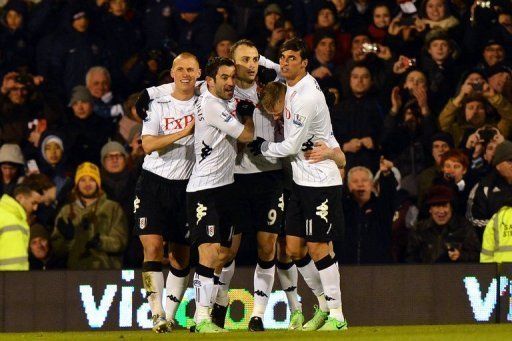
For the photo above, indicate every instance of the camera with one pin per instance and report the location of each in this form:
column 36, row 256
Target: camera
column 483, row 3
column 409, row 62
column 477, row 86
column 407, row 21
column 32, row 125
column 487, row 134
column 370, row 48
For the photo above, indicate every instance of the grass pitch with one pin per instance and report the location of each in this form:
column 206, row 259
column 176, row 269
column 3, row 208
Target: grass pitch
column 495, row 332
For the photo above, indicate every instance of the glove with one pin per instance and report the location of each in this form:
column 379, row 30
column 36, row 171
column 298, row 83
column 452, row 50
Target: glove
column 94, row 243
column 142, row 104
column 67, row 229
column 266, row 75
column 308, row 145
column 245, row 108
column 255, row 146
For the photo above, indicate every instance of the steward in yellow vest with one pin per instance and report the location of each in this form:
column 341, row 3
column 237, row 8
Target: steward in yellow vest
column 497, row 239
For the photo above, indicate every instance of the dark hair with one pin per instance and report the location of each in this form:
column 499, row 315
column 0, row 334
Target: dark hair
column 322, row 34
column 23, row 189
column 296, row 45
column 38, row 182
column 214, row 64
column 241, row 42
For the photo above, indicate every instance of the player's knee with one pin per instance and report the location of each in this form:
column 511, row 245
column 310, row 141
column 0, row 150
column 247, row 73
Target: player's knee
column 293, row 253
column 153, row 251
column 266, row 251
column 178, row 263
column 225, row 255
column 318, row 251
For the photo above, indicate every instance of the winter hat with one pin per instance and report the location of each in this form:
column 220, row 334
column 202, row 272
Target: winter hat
column 38, row 230
column 48, row 139
column 225, row 32
column 11, row 153
column 442, row 136
column 80, row 93
column 273, row 8
column 17, row 6
column 503, row 153
column 439, row 194
column 88, row 168
column 112, row 147
column 77, row 11
column 498, row 68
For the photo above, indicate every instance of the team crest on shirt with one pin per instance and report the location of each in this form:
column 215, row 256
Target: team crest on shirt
column 143, row 223
column 210, row 230
column 299, row 120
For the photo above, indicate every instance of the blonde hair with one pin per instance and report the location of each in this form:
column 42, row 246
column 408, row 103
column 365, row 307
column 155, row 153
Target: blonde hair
column 271, row 94
column 359, row 168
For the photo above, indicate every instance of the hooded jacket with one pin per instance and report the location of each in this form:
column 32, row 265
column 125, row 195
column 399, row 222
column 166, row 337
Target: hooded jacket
column 14, row 235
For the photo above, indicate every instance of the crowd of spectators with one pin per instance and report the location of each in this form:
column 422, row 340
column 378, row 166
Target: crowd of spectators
column 420, row 93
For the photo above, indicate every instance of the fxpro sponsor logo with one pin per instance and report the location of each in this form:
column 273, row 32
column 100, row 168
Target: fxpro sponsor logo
column 98, row 306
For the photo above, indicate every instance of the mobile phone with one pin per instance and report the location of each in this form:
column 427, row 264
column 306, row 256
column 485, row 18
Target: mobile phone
column 370, row 48
column 32, row 125
column 483, row 3
column 408, row 62
column 407, row 21
column 32, row 166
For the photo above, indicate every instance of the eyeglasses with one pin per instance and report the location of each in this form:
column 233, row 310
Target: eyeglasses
column 114, row 156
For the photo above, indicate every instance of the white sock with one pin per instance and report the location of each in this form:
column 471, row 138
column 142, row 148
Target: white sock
column 224, row 280
column 309, row 272
column 175, row 286
column 153, row 281
column 263, row 283
column 203, row 283
column 322, row 303
column 288, row 277
column 330, row 277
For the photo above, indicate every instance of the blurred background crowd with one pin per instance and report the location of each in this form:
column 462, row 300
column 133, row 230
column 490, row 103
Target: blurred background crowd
column 421, row 87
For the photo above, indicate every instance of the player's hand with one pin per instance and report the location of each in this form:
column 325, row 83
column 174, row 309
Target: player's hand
column 255, row 146
column 67, row 229
column 320, row 152
column 94, row 243
column 245, row 108
column 266, row 75
column 189, row 129
column 142, row 104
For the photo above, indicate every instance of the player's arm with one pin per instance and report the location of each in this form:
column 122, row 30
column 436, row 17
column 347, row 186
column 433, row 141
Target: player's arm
column 228, row 124
column 263, row 61
column 151, row 141
column 302, row 116
column 327, row 151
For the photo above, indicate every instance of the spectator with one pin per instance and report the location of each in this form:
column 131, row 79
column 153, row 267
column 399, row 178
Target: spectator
column 500, row 80
column 69, row 69
column 47, row 209
column 52, row 163
column 494, row 191
column 497, row 241
column 493, row 53
column 129, row 120
column 368, row 218
column 41, row 255
column 12, row 165
column 326, row 21
column 435, row 15
column 381, row 18
column 261, row 33
column 223, row 40
column 86, row 133
column 90, row 232
column 481, row 146
column 441, row 144
column 444, row 237
column 406, row 137
column 475, row 112
column 322, row 65
column 357, row 121
column 14, row 230
column 98, row 82
column 15, row 42
column 118, row 178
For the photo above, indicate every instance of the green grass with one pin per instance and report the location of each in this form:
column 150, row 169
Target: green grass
column 494, row 332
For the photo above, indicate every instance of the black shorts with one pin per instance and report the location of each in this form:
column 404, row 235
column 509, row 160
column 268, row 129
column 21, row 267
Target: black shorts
column 159, row 208
column 210, row 215
column 259, row 202
column 315, row 213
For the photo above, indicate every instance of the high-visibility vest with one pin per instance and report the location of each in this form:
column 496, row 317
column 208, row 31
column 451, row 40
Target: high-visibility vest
column 14, row 235
column 497, row 239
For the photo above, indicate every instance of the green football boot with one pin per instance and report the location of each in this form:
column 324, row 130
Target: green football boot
column 208, row 327
column 317, row 321
column 333, row 324
column 296, row 320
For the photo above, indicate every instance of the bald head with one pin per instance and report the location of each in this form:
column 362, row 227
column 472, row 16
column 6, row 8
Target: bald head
column 185, row 71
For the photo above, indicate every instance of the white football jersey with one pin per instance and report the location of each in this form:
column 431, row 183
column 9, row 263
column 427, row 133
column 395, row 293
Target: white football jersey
column 265, row 127
column 167, row 115
column 306, row 121
column 216, row 131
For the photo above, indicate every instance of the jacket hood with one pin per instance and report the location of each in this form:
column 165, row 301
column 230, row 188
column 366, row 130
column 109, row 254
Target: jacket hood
column 10, row 205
